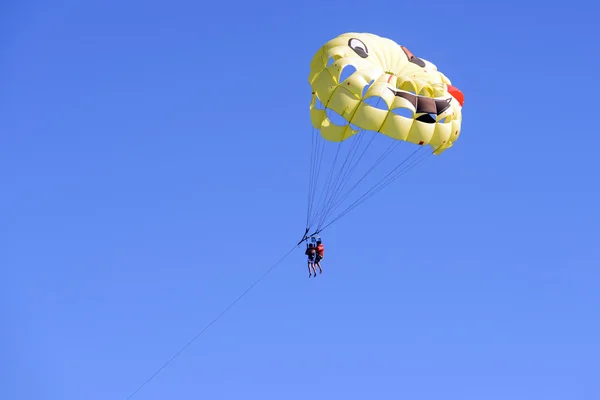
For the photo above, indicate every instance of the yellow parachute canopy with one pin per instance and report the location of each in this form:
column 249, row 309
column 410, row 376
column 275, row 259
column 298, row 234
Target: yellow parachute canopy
column 369, row 91
column 420, row 104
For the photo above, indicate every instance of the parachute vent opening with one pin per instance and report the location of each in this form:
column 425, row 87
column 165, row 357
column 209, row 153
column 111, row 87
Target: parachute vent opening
column 319, row 104
column 445, row 119
column 332, row 59
column 367, row 86
column 347, row 72
column 403, row 112
column 376, row 102
column 336, row 118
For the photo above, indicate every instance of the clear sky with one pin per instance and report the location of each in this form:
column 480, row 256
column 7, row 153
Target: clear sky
column 154, row 159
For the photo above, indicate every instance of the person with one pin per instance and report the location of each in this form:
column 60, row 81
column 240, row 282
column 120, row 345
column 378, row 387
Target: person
column 320, row 252
column 311, row 252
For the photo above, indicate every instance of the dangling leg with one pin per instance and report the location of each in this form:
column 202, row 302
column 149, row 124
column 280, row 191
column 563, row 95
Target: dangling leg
column 314, row 269
column 309, row 271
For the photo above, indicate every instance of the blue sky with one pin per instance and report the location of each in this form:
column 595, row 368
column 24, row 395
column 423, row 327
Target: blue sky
column 154, row 160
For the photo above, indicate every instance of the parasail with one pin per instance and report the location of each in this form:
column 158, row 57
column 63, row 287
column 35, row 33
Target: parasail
column 369, row 90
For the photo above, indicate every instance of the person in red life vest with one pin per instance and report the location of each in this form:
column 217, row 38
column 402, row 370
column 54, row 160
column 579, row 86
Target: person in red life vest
column 320, row 254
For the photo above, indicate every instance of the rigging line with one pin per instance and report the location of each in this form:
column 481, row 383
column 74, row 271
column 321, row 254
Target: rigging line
column 331, row 190
column 340, row 182
column 349, row 173
column 413, row 164
column 310, row 182
column 315, row 177
column 382, row 157
column 212, row 322
column 369, row 193
column 318, row 169
column 335, row 201
column 331, row 171
column 329, row 201
column 402, row 172
column 327, row 186
column 399, row 174
column 334, row 204
column 316, row 161
column 345, row 175
column 340, row 144
column 383, row 186
column 313, row 171
column 374, row 190
column 375, row 186
column 327, row 207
